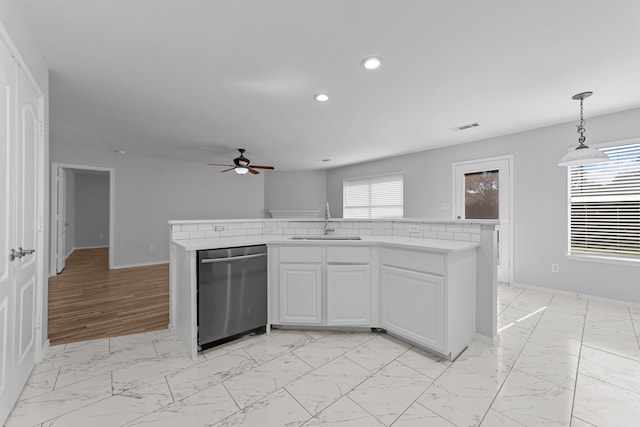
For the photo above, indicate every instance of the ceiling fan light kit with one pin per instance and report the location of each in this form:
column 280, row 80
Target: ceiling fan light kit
column 583, row 154
column 241, row 165
column 240, row 170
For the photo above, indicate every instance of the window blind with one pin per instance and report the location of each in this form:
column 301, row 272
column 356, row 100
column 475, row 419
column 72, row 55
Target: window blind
column 373, row 197
column 605, row 205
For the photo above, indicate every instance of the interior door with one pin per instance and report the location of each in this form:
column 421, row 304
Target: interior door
column 7, row 232
column 26, row 226
column 482, row 190
column 61, row 228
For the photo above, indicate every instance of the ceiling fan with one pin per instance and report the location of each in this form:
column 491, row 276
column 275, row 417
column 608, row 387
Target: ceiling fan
column 241, row 165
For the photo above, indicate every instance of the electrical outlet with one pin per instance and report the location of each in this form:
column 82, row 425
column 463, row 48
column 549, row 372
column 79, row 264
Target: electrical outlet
column 219, row 228
column 270, row 225
column 101, row 236
column 445, row 206
column 152, row 248
column 555, row 268
column 413, row 228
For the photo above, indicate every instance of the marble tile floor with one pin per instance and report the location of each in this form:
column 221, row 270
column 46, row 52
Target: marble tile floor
column 562, row 361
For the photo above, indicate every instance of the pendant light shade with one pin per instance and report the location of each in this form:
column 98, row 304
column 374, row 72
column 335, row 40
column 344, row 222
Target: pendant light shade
column 582, row 155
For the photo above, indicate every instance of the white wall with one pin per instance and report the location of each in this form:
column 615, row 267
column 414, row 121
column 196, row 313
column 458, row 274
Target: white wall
column 70, row 211
column 91, row 209
column 540, row 200
column 295, row 190
column 150, row 191
column 13, row 27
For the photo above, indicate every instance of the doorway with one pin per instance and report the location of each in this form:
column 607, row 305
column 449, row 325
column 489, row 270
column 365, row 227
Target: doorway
column 79, row 216
column 483, row 189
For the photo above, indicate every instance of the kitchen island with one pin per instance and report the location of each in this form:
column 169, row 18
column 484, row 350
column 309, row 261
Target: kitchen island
column 423, row 290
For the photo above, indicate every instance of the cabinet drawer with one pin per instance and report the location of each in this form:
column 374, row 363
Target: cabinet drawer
column 414, row 260
column 300, row 254
column 349, row 255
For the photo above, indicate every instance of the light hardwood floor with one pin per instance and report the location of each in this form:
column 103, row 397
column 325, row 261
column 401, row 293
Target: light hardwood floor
column 89, row 301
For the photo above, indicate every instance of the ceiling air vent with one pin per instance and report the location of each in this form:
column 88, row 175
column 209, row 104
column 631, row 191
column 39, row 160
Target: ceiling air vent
column 465, row 127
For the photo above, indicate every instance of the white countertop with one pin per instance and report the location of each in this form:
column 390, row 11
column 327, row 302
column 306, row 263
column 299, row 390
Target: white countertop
column 446, row 246
column 306, row 219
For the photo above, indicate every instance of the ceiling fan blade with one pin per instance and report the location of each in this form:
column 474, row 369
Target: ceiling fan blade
column 263, row 167
column 227, row 170
column 255, row 172
column 218, row 164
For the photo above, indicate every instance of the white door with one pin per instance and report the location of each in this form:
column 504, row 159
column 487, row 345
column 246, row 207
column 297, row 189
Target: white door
column 482, row 190
column 26, row 225
column 19, row 150
column 7, row 230
column 61, row 226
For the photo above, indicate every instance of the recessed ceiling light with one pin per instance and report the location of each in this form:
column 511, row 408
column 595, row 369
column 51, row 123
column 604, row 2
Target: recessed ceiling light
column 321, row 97
column 372, row 63
column 121, row 152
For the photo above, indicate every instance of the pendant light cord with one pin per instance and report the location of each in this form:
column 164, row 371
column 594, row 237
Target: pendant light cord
column 581, row 129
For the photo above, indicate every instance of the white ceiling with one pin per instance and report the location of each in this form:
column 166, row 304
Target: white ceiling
column 195, row 79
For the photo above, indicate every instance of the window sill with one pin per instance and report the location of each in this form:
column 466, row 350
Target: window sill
column 604, row 259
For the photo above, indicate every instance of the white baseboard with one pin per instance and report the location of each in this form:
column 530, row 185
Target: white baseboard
column 44, row 349
column 493, row 341
column 91, row 247
column 69, row 254
column 579, row 295
column 144, row 264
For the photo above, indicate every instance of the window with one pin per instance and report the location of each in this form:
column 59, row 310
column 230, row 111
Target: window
column 604, row 198
column 373, row 197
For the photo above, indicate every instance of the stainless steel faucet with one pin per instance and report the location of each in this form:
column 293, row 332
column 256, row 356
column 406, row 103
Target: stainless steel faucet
column 327, row 217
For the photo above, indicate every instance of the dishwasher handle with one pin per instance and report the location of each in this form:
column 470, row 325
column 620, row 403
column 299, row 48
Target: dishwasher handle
column 233, row 258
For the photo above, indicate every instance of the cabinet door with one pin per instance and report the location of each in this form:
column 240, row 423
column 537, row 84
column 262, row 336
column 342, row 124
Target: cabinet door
column 300, row 293
column 348, row 295
column 413, row 306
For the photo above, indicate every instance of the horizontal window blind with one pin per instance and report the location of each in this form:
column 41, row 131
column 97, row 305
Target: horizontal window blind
column 373, row 197
column 605, row 205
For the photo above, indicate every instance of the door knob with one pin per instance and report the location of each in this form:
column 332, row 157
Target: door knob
column 24, row 252
column 13, row 254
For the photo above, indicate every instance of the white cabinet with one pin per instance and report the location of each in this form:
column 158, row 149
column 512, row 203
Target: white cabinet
column 424, row 296
column 301, row 294
column 348, row 295
column 413, row 305
column 299, row 283
column 348, row 286
column 320, row 285
column 429, row 298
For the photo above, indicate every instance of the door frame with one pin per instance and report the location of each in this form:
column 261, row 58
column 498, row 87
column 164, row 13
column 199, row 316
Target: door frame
column 509, row 222
column 54, row 208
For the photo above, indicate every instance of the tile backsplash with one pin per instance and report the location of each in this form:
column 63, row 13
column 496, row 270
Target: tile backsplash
column 428, row 229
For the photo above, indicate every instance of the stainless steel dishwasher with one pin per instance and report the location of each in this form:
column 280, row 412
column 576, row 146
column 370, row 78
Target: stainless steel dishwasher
column 232, row 293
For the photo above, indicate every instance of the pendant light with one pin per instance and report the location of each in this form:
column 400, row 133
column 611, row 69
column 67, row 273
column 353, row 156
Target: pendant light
column 582, row 155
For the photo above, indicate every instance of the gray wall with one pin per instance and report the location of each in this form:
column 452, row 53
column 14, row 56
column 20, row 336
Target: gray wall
column 295, row 190
column 540, row 200
column 150, row 191
column 91, row 209
column 70, row 211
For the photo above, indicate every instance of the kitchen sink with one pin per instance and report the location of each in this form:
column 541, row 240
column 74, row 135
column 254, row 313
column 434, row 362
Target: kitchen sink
column 325, row 238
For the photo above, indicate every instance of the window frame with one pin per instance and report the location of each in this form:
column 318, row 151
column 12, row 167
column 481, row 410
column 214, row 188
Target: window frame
column 369, row 179
column 599, row 258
